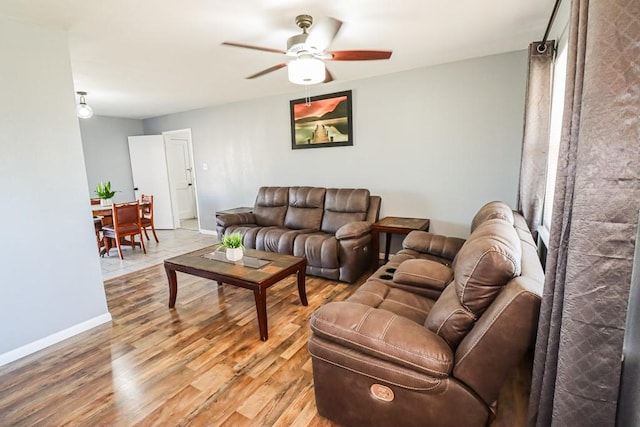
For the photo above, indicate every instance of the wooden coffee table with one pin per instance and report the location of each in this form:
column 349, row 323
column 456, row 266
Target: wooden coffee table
column 258, row 270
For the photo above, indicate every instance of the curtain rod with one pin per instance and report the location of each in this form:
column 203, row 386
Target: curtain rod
column 543, row 46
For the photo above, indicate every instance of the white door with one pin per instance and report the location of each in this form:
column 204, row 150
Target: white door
column 149, row 170
column 180, row 175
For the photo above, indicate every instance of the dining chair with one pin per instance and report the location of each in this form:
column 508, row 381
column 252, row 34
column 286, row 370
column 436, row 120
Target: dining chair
column 146, row 206
column 126, row 223
column 97, row 225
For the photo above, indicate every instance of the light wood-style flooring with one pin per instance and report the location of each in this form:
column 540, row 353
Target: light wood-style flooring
column 201, row 364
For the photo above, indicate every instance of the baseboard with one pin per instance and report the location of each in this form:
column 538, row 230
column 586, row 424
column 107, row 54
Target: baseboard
column 52, row 339
column 211, row 232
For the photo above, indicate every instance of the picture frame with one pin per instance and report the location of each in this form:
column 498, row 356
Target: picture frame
column 322, row 121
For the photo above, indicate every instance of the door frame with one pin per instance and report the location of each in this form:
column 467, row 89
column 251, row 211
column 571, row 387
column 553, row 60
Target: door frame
column 186, row 133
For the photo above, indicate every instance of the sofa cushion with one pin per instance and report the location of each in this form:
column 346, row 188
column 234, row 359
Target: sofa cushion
column 448, row 318
column 374, row 293
column 320, row 249
column 271, row 206
column 305, row 208
column 492, row 210
column 343, row 205
column 489, row 258
column 276, row 239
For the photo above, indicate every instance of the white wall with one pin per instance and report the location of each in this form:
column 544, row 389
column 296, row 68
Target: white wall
column 50, row 281
column 106, row 153
column 435, row 142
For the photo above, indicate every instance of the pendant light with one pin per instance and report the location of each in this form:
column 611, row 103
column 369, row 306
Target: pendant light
column 83, row 110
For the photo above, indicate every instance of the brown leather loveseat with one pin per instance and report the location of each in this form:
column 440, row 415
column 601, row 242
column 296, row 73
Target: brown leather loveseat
column 430, row 337
column 331, row 227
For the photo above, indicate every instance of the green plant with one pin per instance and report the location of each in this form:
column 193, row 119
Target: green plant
column 104, row 191
column 231, row 241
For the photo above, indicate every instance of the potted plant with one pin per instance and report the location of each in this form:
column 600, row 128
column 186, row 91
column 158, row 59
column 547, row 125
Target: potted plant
column 105, row 193
column 232, row 243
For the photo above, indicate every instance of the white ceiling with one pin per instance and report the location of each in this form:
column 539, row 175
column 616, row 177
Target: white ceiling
column 145, row 58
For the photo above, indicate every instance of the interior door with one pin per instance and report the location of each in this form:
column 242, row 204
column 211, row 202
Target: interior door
column 149, row 170
column 180, row 175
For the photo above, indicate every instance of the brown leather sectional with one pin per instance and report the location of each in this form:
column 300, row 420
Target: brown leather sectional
column 431, row 336
column 331, row 227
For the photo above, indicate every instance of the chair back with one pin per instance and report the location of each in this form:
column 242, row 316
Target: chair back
column 126, row 216
column 146, row 206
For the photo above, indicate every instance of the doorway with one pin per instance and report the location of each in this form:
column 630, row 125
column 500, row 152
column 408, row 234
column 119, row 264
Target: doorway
column 179, row 151
column 162, row 165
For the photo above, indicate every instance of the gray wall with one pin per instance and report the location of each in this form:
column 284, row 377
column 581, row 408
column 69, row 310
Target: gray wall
column 434, row 142
column 51, row 281
column 106, row 153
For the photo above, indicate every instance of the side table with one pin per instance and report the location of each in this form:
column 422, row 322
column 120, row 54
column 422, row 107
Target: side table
column 394, row 225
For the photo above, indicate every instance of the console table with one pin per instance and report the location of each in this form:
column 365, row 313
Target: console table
column 394, row 225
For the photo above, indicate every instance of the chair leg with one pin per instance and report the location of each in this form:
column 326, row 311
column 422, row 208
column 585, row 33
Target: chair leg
column 119, row 245
column 145, row 232
column 144, row 249
column 107, row 245
column 153, row 229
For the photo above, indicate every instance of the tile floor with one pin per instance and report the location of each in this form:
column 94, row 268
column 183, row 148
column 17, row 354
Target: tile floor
column 172, row 243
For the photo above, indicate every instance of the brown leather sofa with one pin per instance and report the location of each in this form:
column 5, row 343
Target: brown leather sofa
column 331, row 227
column 429, row 339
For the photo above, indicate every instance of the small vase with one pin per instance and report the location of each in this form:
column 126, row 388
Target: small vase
column 234, row 254
column 106, row 202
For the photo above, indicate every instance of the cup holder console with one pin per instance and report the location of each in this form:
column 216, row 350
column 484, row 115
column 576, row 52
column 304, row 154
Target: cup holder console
column 390, row 270
column 386, row 277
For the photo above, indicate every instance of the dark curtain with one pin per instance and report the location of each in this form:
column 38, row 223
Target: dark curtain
column 595, row 214
column 535, row 142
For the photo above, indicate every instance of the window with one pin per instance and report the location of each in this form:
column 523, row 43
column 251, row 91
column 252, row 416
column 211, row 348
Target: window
column 555, row 131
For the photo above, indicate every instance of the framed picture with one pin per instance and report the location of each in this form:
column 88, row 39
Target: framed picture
column 322, row 121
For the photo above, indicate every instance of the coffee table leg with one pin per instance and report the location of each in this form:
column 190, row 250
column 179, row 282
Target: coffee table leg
column 302, row 290
column 261, row 307
column 173, row 285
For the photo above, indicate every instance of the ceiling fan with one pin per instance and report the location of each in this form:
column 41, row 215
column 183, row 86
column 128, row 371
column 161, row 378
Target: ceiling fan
column 308, row 52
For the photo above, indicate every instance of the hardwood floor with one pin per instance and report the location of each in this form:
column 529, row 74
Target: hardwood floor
column 200, row 364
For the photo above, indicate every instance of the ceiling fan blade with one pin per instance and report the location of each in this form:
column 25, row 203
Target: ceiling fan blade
column 323, row 32
column 359, row 55
column 329, row 77
column 248, row 46
column 268, row 70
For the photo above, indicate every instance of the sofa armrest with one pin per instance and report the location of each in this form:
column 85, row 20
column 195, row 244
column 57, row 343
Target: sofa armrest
column 384, row 335
column 354, row 229
column 423, row 273
column 433, row 244
column 235, row 218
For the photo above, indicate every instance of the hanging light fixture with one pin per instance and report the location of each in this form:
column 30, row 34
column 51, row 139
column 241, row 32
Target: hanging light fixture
column 83, row 110
column 306, row 70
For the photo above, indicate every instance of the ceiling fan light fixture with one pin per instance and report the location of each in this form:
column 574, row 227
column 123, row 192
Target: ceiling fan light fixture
column 82, row 109
column 306, row 70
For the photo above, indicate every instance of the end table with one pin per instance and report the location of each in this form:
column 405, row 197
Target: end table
column 394, row 225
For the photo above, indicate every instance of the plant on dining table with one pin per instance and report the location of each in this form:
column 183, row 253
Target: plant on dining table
column 104, row 191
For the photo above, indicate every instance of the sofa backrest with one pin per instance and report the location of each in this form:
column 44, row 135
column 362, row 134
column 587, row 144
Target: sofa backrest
column 486, row 262
column 492, row 210
column 344, row 205
column 305, row 209
column 271, row 205
column 504, row 332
